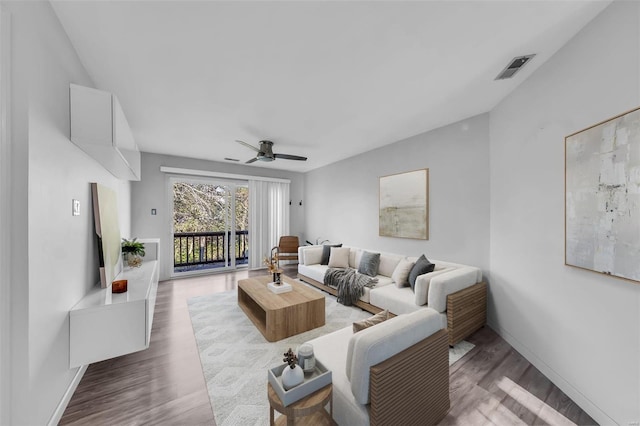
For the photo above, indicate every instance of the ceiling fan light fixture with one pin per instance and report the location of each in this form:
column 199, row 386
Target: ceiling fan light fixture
column 265, row 153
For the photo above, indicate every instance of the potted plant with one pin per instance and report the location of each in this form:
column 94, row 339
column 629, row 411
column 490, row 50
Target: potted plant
column 132, row 251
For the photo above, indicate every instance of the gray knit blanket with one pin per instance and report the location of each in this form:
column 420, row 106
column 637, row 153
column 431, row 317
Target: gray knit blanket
column 349, row 284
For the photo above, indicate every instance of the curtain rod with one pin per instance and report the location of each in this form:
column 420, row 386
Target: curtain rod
column 193, row 172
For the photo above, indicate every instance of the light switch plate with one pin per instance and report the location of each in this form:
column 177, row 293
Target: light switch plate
column 76, row 207
column 153, row 212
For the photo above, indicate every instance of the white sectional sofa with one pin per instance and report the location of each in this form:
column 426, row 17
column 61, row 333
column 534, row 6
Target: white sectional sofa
column 454, row 290
column 393, row 373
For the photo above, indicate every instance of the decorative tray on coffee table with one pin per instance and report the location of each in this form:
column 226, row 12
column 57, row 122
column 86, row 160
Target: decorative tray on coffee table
column 316, row 380
column 281, row 288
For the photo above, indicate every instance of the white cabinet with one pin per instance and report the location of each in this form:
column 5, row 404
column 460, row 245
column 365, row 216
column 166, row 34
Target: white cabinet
column 99, row 128
column 105, row 325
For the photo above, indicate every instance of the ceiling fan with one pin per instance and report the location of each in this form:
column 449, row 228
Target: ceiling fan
column 265, row 153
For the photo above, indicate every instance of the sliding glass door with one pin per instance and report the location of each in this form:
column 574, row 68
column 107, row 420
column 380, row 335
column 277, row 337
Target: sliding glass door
column 210, row 225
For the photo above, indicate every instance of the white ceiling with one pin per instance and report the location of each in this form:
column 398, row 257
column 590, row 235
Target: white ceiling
column 326, row 79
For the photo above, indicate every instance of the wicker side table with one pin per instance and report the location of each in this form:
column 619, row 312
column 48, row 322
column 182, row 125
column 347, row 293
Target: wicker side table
column 308, row 411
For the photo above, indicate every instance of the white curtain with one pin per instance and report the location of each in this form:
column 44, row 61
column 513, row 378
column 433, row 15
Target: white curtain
column 268, row 218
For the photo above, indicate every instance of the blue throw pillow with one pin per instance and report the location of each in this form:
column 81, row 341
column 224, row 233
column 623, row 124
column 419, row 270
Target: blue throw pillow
column 326, row 252
column 369, row 264
column 422, row 266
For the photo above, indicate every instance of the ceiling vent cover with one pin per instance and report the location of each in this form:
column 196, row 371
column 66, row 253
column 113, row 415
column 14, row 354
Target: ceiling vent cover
column 514, row 66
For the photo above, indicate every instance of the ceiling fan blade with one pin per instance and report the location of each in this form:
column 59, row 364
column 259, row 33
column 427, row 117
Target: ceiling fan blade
column 251, row 161
column 290, row 157
column 248, row 145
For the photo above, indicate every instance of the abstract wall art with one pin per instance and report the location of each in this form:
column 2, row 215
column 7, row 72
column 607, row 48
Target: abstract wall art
column 602, row 197
column 404, row 205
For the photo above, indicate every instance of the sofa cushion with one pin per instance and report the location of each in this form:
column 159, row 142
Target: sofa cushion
column 339, row 257
column 388, row 263
column 354, row 257
column 312, row 256
column 371, row 321
column 422, row 266
column 376, row 344
column 326, row 252
column 400, row 275
column 315, row 272
column 396, row 300
column 369, row 263
column 382, row 281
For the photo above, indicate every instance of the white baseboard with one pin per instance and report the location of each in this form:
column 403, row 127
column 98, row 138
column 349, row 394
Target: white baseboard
column 57, row 414
column 583, row 402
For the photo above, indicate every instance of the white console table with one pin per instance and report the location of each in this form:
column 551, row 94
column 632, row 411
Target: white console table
column 105, row 325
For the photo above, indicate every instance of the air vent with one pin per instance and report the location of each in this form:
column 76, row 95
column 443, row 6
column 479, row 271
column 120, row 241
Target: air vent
column 514, row 66
column 231, row 159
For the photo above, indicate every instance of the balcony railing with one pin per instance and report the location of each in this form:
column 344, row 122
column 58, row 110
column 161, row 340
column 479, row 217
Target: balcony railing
column 207, row 248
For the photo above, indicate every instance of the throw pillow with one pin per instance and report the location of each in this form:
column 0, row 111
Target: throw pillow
column 422, row 266
column 326, row 252
column 339, row 257
column 369, row 264
column 401, row 274
column 371, row 321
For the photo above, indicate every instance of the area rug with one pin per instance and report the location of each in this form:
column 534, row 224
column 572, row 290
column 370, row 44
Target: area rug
column 235, row 356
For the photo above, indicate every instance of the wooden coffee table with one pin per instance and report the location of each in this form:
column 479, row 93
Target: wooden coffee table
column 280, row 315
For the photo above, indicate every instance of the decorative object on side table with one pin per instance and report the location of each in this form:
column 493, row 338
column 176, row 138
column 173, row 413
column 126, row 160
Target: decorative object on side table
column 119, row 286
column 133, row 250
column 306, row 359
column 292, row 375
column 319, row 378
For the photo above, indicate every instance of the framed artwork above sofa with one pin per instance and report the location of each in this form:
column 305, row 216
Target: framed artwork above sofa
column 404, row 205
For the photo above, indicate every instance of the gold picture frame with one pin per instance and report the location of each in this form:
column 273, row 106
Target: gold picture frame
column 404, row 205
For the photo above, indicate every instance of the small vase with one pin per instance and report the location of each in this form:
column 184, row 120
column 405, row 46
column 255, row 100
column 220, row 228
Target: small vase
column 276, row 278
column 133, row 260
column 292, row 377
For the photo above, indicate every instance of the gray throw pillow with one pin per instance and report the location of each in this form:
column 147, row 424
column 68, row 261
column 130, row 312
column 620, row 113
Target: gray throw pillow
column 422, row 266
column 369, row 263
column 326, row 252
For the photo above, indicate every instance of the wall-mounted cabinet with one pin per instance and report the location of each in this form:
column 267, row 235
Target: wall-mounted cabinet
column 104, row 325
column 99, row 128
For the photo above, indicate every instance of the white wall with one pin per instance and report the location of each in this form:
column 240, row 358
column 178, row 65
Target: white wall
column 580, row 328
column 151, row 193
column 55, row 260
column 341, row 200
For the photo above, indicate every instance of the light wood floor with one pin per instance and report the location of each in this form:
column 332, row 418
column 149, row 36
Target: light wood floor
column 164, row 385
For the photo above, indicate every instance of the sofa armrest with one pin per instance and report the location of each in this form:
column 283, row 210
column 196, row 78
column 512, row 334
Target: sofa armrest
column 412, row 387
column 445, row 284
column 309, row 255
column 466, row 311
column 376, row 344
column 421, row 289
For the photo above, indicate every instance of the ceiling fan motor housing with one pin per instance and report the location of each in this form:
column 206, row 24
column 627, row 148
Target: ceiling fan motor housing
column 266, row 151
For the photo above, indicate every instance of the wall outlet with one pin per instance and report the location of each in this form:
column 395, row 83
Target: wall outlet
column 75, row 207
column 153, row 212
